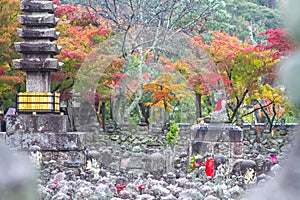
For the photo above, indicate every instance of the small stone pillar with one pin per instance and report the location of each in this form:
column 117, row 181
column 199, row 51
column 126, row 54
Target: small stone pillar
column 283, row 129
column 125, row 126
column 110, row 128
column 136, row 165
column 143, row 126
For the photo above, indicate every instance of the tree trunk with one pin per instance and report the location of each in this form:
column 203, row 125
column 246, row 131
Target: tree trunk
column 139, row 92
column 145, row 112
column 111, row 115
column 164, row 119
column 70, row 115
column 239, row 102
column 151, row 117
column 103, row 115
column 98, row 114
column 198, row 105
column 117, row 105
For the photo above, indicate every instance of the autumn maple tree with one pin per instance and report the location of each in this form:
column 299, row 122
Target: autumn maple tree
column 242, row 64
column 145, row 27
column 81, row 32
column 78, row 37
column 279, row 40
column 168, row 89
column 270, row 103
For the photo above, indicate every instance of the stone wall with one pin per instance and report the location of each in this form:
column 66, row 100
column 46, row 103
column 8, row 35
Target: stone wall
column 133, row 148
column 140, row 151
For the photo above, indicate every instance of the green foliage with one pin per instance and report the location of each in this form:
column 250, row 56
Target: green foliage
column 193, row 159
column 291, row 114
column 249, row 18
column 185, row 112
column 172, row 135
column 266, row 3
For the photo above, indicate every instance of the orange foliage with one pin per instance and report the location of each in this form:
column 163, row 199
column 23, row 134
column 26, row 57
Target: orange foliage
column 78, row 37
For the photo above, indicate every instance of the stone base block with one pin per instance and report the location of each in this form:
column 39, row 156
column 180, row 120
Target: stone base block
column 236, row 150
column 47, row 141
column 221, row 148
column 21, row 124
column 216, row 133
column 60, row 156
column 201, row 147
column 218, row 139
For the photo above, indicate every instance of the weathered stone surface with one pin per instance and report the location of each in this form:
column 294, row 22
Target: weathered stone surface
column 37, row 6
column 65, row 141
column 199, row 147
column 37, row 47
column 38, row 20
column 183, row 140
column 38, row 82
column 36, row 64
column 236, row 135
column 221, row 148
column 47, row 141
column 217, row 138
column 213, row 135
column 236, row 149
column 50, row 33
column 36, row 124
column 155, row 164
column 216, row 133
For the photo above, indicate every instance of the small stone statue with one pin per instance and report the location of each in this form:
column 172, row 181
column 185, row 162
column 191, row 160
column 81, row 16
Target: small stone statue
column 283, row 129
column 220, row 114
column 110, row 127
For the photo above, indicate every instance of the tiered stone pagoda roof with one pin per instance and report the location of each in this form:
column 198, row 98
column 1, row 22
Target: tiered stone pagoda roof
column 38, row 47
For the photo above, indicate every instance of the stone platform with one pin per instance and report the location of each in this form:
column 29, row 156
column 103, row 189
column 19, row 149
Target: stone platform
column 48, row 133
column 24, row 124
column 217, row 138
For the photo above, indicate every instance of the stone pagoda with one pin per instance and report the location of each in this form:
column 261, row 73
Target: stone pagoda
column 38, row 121
column 38, row 50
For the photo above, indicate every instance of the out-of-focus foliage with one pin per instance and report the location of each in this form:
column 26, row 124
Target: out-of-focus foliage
column 249, row 18
column 78, row 37
column 11, row 80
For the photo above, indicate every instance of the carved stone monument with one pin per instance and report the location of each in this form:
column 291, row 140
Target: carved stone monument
column 38, row 120
column 216, row 136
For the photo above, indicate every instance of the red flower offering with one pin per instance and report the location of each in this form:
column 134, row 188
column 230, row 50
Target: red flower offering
column 273, row 159
column 120, row 187
column 54, row 182
column 140, row 187
column 210, row 167
column 199, row 163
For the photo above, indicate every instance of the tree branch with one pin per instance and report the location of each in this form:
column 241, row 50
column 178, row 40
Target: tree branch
column 256, row 109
